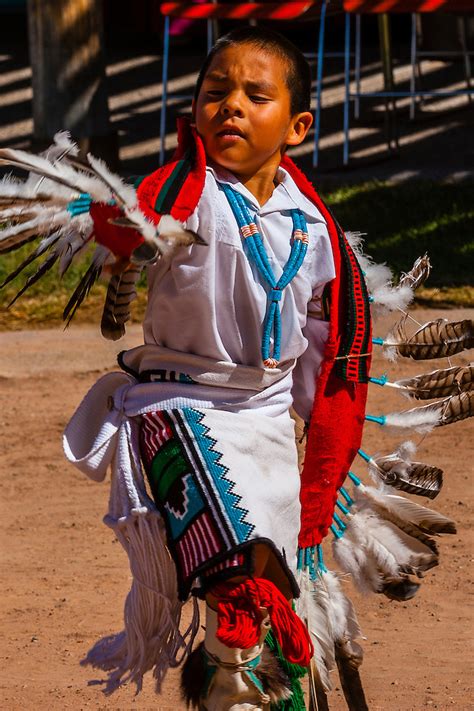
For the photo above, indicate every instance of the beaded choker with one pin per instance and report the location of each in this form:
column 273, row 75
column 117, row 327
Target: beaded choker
column 256, row 253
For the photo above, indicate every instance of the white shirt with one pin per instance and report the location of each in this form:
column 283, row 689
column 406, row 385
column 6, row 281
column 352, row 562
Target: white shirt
column 210, row 301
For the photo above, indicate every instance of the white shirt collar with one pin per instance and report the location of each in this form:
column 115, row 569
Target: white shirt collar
column 286, row 195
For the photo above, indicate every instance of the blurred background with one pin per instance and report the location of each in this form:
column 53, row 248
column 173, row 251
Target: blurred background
column 393, row 148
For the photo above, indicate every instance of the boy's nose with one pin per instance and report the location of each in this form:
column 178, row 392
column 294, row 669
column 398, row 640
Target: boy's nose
column 231, row 106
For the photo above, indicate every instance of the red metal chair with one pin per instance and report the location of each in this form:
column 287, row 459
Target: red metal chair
column 384, row 8
column 245, row 11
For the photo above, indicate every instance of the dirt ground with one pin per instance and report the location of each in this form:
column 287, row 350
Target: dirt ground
column 65, row 577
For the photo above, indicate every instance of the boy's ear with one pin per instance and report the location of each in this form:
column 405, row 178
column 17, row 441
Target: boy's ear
column 193, row 109
column 300, row 125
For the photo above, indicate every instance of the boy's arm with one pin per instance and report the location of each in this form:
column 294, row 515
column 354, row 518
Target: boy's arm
column 307, row 368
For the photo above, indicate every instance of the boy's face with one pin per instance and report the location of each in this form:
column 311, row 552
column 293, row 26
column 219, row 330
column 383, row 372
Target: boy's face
column 243, row 112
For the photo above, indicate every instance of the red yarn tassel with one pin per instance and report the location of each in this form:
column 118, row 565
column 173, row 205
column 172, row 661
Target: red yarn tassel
column 239, row 618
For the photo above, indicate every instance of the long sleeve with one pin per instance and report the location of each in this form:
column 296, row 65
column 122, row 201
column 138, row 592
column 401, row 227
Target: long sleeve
column 307, row 368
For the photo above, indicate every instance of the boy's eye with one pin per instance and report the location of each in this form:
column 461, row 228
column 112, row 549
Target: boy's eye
column 258, row 99
column 215, row 92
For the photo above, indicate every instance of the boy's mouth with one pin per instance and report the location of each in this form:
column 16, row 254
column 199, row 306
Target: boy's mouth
column 231, row 131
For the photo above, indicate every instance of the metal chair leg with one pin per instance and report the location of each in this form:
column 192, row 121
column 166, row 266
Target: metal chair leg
column 357, row 66
column 164, row 80
column 387, row 67
column 347, row 84
column 465, row 54
column 413, row 58
column 319, row 83
column 210, row 35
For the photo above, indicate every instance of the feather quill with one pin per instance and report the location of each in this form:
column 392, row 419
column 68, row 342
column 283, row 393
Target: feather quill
column 437, row 414
column 15, row 236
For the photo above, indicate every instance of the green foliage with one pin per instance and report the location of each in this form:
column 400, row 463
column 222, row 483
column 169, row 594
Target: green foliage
column 404, row 221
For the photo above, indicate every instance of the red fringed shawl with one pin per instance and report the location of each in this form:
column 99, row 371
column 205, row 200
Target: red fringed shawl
column 335, row 428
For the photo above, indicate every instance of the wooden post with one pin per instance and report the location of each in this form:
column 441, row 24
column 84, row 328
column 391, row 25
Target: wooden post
column 68, row 66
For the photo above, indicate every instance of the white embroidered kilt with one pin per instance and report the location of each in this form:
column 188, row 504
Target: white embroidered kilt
column 222, row 482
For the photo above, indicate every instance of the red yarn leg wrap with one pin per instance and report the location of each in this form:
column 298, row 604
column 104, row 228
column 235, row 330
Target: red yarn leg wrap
column 239, row 618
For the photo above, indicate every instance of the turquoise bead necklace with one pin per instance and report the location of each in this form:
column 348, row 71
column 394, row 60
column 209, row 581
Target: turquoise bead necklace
column 256, row 253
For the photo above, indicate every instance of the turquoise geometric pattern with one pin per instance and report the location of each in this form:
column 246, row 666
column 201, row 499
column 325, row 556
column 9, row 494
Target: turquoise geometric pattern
column 218, row 472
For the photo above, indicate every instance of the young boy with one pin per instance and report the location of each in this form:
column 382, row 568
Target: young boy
column 234, row 334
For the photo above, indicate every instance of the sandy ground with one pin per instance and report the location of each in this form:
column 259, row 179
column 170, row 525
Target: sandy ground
column 65, row 577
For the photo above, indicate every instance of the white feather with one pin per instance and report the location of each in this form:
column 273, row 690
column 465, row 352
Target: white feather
column 43, row 223
column 395, row 553
column 379, row 280
column 342, row 615
column 356, row 240
column 63, row 141
column 422, row 419
column 312, row 607
column 353, row 556
column 426, row 519
column 386, row 298
column 76, row 180
column 126, row 194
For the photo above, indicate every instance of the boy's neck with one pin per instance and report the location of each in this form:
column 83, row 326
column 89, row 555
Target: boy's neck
column 260, row 185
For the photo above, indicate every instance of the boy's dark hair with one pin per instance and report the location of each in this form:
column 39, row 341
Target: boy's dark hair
column 298, row 77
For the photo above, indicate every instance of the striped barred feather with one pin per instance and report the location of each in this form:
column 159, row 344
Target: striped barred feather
column 417, row 275
column 457, row 407
column 438, row 383
column 120, row 293
column 435, row 339
column 412, row 477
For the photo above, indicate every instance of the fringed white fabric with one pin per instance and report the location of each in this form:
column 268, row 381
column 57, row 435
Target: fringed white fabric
column 101, row 434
